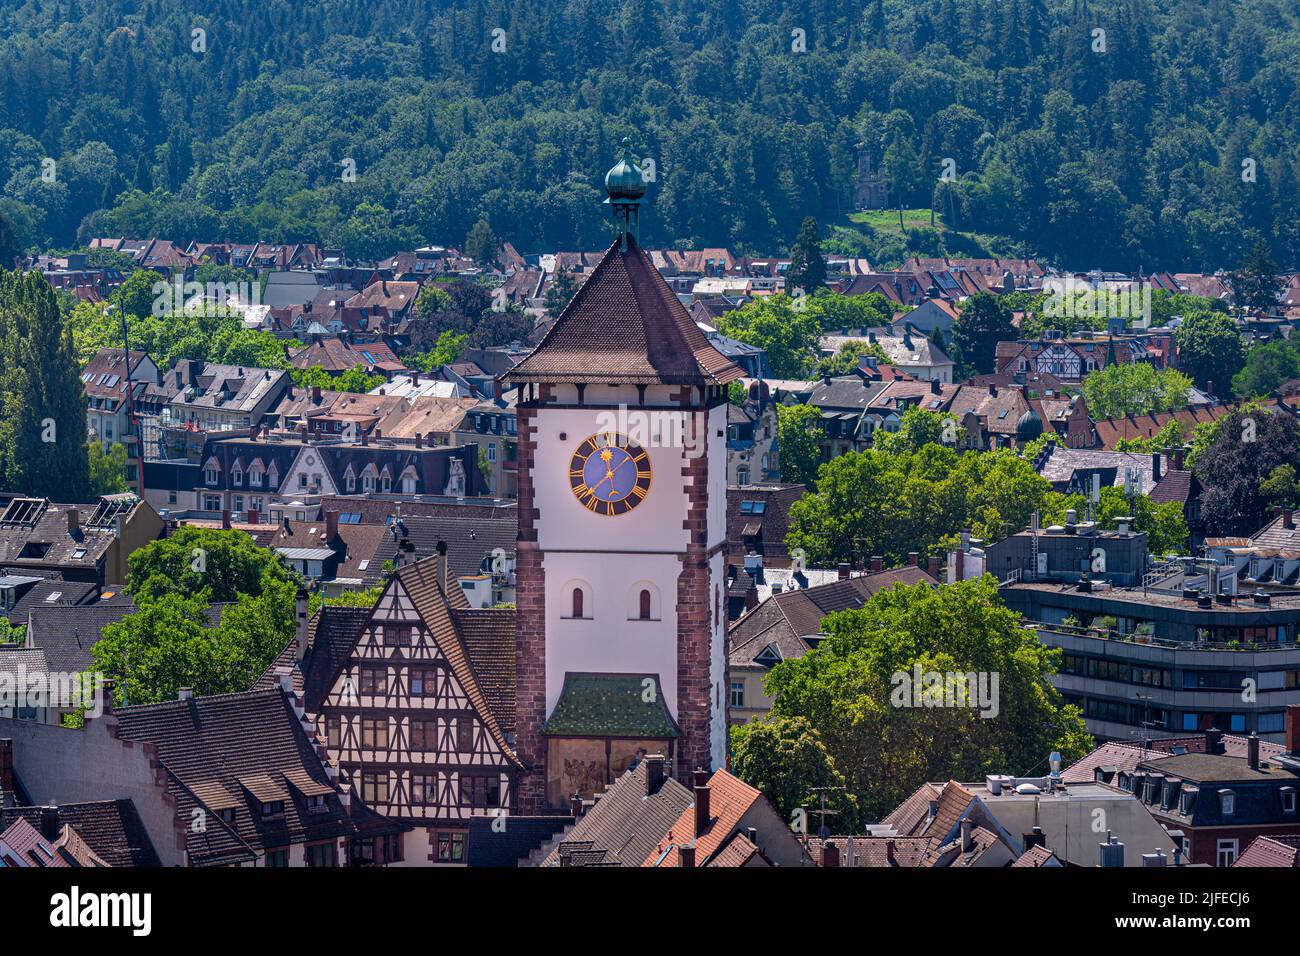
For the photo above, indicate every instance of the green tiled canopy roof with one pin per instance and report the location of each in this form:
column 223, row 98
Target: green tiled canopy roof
column 610, row 705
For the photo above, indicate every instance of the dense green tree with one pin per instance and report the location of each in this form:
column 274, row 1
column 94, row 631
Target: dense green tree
column 785, row 758
column 1267, row 366
column 1234, row 463
column 807, row 268
column 799, row 436
column 848, row 357
column 1137, row 388
column 983, row 322
column 9, row 248
column 220, row 564
column 899, row 498
column 353, row 380
column 42, row 403
column 1280, row 489
column 107, row 469
column 481, row 244
column 886, row 736
column 1256, row 285
column 785, row 328
column 1210, row 349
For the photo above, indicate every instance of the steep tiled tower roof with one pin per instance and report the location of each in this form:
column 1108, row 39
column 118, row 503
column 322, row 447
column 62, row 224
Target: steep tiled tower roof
column 625, row 327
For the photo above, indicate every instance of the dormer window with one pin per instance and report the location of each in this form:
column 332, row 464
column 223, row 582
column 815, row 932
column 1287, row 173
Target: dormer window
column 236, row 477
column 227, row 815
column 273, row 808
column 1288, row 799
column 351, row 482
column 211, row 476
column 316, row 803
column 1227, row 802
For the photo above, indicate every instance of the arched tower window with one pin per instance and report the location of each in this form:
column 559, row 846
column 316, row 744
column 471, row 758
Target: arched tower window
column 575, row 600
column 643, row 602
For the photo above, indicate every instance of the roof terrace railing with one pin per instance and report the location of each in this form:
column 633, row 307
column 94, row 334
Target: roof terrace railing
column 1107, row 634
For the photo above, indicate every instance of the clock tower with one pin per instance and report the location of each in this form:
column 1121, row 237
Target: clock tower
column 620, row 569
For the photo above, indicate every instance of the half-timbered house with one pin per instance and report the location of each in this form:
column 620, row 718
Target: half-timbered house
column 416, row 700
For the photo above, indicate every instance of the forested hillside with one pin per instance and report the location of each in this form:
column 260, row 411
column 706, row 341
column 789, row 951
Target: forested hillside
column 1170, row 141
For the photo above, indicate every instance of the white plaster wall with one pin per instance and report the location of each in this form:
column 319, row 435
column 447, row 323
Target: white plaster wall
column 608, row 642
column 610, row 554
column 718, row 661
column 565, row 525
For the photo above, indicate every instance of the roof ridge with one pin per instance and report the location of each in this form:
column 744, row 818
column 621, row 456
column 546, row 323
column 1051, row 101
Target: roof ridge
column 265, row 691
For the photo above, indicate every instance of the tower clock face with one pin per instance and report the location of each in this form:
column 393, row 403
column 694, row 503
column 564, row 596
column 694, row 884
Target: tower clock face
column 609, row 474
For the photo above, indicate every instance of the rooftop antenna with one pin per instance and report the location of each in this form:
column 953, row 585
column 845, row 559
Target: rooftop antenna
column 823, row 830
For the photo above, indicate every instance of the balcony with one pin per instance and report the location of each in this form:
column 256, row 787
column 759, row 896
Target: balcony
column 1106, row 634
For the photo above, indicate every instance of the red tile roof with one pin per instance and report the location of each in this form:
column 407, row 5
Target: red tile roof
column 1275, row 851
column 1035, row 856
column 730, row 798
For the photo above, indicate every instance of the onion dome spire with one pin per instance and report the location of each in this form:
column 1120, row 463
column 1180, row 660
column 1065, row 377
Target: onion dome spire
column 625, row 185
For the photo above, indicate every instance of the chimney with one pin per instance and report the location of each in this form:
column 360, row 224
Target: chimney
column 415, row 379
column 1288, row 519
column 701, row 801
column 74, row 521
column 654, row 773
column 1214, row 741
column 300, row 630
column 1112, row 852
column 254, row 516
column 575, row 805
column 441, row 549
column 935, row 387
column 1180, row 456
column 1293, row 729
column 419, row 440
column 877, row 564
column 331, row 526
column 1155, row 467
column 225, row 519
column 751, row 595
column 686, row 857
column 967, row 843
column 912, row 558
column 185, row 693
column 993, row 391
column 50, row 828
column 365, row 438
column 932, row 566
column 1252, row 751
column 1209, row 389
column 830, row 854
column 842, row 570
column 315, row 394
column 889, row 852
column 6, row 765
